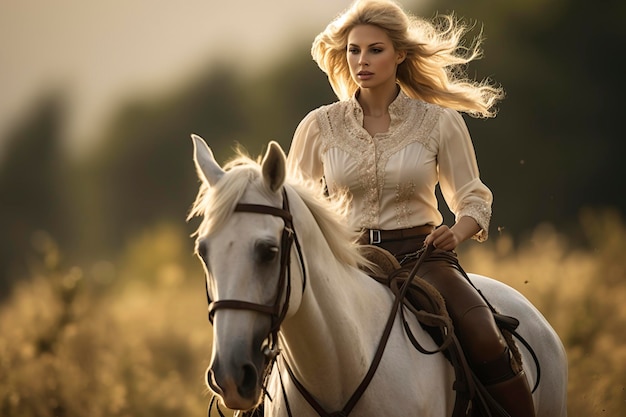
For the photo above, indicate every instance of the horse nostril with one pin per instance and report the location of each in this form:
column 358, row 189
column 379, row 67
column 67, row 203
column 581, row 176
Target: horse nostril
column 210, row 380
column 248, row 385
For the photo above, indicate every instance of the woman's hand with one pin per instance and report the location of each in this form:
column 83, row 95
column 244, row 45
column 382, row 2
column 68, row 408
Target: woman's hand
column 448, row 238
column 442, row 238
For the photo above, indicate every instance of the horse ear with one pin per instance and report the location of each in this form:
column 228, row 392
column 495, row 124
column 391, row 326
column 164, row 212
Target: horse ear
column 207, row 167
column 274, row 166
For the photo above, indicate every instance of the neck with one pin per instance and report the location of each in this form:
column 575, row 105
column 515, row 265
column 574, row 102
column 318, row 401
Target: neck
column 329, row 343
column 375, row 101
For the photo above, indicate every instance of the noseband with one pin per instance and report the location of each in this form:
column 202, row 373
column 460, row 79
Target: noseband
column 276, row 310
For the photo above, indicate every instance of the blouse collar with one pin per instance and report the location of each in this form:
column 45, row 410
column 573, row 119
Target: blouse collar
column 397, row 109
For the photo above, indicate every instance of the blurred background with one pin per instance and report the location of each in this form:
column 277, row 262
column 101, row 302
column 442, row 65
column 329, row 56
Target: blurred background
column 102, row 310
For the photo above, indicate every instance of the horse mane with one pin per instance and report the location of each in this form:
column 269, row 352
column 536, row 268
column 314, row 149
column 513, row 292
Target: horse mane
column 216, row 204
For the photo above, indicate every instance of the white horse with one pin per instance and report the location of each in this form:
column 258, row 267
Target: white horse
column 324, row 314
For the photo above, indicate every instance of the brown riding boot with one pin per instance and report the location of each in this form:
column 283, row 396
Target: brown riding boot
column 507, row 386
column 514, row 396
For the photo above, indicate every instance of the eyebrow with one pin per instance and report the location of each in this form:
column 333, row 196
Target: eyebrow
column 370, row 45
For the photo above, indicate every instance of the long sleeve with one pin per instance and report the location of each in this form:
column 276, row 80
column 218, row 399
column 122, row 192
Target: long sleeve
column 304, row 157
column 459, row 178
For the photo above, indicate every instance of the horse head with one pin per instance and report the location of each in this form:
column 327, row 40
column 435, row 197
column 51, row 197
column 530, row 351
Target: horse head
column 244, row 243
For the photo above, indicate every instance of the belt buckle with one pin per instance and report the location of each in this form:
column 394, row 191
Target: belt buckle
column 375, row 236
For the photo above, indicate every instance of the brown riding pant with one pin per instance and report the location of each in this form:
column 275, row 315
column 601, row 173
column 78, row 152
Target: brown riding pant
column 472, row 318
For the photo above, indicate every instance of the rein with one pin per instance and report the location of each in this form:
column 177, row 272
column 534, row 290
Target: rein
column 360, row 390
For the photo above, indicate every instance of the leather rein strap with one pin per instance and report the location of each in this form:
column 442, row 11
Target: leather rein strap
column 358, row 393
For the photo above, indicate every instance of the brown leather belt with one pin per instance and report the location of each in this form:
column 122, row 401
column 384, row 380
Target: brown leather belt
column 374, row 236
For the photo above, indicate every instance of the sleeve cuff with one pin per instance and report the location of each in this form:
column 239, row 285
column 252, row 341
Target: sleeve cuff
column 482, row 214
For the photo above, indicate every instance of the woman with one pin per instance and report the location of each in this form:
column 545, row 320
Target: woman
column 395, row 133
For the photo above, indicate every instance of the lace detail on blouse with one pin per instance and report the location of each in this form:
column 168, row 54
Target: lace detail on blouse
column 482, row 214
column 341, row 125
column 404, row 195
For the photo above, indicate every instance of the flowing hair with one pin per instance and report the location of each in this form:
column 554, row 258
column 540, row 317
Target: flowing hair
column 434, row 68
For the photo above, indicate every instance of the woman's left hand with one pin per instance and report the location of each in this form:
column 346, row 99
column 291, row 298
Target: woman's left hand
column 448, row 238
column 442, row 238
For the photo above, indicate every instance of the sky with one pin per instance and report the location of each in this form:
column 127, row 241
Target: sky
column 100, row 52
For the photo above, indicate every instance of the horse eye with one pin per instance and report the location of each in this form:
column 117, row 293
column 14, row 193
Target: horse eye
column 265, row 251
column 202, row 250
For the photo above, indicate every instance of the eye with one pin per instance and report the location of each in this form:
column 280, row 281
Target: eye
column 376, row 50
column 353, row 50
column 265, row 251
column 202, row 250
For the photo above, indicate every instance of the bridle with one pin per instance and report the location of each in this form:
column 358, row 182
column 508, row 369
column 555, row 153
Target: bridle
column 276, row 311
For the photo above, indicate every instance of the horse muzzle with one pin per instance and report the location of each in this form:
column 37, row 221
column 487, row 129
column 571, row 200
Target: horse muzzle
column 237, row 367
column 239, row 385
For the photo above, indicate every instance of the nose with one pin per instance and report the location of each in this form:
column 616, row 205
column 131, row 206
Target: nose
column 363, row 60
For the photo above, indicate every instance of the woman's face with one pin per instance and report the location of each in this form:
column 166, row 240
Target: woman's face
column 372, row 59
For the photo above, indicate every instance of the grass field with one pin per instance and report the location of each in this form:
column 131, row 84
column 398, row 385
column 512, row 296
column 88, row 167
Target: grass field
column 130, row 338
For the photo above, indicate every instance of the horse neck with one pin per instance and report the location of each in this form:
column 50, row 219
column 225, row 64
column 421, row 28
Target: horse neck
column 331, row 339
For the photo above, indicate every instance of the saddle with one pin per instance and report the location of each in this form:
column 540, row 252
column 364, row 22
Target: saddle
column 428, row 306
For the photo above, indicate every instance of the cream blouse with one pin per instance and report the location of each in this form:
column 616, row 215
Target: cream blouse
column 391, row 177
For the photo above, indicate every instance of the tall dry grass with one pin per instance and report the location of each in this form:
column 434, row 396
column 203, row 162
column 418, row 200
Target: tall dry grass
column 582, row 293
column 130, row 338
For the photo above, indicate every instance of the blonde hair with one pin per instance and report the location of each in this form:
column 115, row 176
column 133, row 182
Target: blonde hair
column 434, row 68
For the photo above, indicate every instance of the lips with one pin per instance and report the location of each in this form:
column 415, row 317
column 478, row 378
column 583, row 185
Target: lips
column 364, row 75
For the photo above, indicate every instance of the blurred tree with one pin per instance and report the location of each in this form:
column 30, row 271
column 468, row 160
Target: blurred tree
column 142, row 171
column 34, row 195
column 283, row 96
